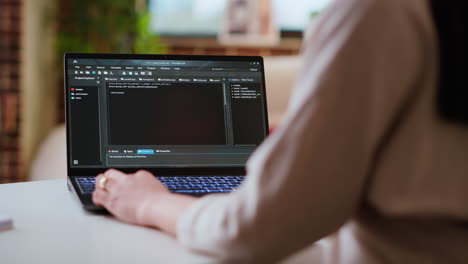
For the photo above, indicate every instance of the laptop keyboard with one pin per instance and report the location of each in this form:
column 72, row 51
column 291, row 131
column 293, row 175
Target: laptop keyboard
column 181, row 184
column 201, row 184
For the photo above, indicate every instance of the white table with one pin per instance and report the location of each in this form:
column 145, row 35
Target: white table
column 51, row 227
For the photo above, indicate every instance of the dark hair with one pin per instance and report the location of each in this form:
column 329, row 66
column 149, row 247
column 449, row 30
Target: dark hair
column 451, row 21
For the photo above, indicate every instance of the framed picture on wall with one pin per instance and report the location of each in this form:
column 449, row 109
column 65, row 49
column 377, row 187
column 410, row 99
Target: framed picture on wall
column 249, row 23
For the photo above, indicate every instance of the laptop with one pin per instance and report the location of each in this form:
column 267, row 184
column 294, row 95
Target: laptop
column 193, row 121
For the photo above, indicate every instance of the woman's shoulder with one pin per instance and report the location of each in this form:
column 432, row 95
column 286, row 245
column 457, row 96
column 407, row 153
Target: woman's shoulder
column 412, row 16
column 385, row 8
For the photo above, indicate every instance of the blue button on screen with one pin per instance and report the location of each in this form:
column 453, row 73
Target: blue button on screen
column 145, row 151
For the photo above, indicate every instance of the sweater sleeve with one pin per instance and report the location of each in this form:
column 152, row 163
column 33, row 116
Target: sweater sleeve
column 308, row 177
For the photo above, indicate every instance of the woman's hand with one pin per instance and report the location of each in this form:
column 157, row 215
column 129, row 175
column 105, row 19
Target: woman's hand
column 140, row 199
column 128, row 196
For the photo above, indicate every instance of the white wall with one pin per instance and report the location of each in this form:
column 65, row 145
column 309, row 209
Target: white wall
column 39, row 78
column 280, row 75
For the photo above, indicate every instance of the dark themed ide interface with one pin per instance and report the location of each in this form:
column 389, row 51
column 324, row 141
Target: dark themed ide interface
column 163, row 113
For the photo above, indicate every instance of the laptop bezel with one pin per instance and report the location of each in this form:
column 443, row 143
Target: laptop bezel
column 182, row 171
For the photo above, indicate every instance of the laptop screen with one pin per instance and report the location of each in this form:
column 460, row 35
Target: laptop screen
column 163, row 112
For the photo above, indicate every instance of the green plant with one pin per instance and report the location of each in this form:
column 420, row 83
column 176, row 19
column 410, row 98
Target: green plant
column 102, row 26
column 145, row 41
column 105, row 26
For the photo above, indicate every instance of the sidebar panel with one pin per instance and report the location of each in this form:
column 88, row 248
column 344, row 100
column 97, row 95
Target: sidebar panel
column 247, row 114
column 84, row 122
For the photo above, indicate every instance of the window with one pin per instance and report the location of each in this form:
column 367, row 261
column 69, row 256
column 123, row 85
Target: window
column 204, row 17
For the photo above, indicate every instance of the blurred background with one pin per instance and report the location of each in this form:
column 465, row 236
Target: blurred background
column 34, row 34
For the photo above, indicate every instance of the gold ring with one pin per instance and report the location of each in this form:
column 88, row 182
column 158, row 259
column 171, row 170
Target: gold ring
column 102, row 182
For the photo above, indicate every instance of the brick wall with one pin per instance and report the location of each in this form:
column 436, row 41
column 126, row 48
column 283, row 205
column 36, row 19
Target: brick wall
column 10, row 25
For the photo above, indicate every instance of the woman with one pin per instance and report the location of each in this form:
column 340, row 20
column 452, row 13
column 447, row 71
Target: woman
column 366, row 153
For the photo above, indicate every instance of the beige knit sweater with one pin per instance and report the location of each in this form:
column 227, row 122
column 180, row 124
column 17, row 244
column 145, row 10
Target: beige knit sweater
column 362, row 151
